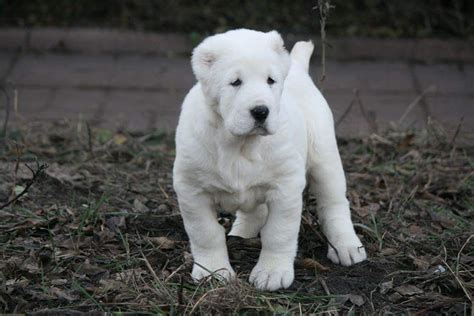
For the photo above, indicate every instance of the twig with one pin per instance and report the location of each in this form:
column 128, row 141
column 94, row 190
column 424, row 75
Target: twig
column 432, row 307
column 458, row 258
column 325, row 286
column 324, row 6
column 7, row 111
column 203, row 297
column 415, row 102
column 15, row 100
column 161, row 286
column 148, row 265
column 459, row 281
column 347, row 110
column 370, row 120
column 179, row 293
column 172, row 274
column 322, row 237
column 36, row 174
column 456, row 133
column 163, row 191
column 18, row 154
column 89, row 140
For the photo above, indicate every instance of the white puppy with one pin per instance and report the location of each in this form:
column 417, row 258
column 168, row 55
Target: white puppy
column 251, row 132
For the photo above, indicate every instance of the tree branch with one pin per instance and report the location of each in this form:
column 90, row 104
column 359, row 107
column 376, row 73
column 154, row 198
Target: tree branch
column 40, row 168
column 324, row 6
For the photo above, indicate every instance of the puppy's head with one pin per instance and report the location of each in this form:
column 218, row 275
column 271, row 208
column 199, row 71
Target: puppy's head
column 242, row 72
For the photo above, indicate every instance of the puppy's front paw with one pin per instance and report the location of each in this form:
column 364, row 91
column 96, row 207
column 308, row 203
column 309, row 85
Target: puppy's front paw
column 221, row 270
column 349, row 250
column 272, row 273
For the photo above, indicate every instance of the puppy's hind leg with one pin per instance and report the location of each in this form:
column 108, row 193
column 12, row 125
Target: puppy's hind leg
column 326, row 174
column 249, row 224
column 328, row 184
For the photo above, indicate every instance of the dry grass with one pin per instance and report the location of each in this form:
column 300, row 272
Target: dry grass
column 100, row 230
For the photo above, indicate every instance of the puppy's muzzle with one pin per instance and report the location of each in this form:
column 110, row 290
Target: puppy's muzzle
column 260, row 113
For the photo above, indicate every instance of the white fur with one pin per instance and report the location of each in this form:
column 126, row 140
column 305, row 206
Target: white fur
column 223, row 161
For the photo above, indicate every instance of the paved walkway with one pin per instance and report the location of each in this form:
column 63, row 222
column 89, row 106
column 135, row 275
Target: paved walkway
column 140, row 91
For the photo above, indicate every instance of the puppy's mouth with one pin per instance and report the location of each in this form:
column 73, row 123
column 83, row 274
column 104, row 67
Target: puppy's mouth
column 260, row 129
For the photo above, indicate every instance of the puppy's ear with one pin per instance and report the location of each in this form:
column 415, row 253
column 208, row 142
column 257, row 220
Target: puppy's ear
column 277, row 42
column 279, row 46
column 202, row 60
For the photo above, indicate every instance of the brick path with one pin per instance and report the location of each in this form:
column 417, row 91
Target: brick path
column 139, row 91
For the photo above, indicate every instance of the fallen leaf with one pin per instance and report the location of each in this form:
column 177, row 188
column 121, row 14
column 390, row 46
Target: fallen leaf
column 41, row 296
column 356, row 299
column 309, row 263
column 115, row 222
column 75, row 243
column 408, row 290
column 59, row 282
column 162, row 242
column 353, row 298
column 395, row 297
column 139, row 206
column 420, row 262
column 127, row 274
column 385, row 286
column 389, row 251
column 62, row 294
column 188, row 258
column 18, row 189
column 125, row 297
column 63, row 174
column 415, row 231
column 119, row 139
column 110, row 284
column 163, row 209
column 31, row 267
column 447, row 223
column 405, row 142
column 21, row 282
column 465, row 259
column 89, row 269
column 443, row 220
column 370, row 209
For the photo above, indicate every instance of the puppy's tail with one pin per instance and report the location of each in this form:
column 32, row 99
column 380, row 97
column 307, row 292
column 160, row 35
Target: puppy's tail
column 301, row 53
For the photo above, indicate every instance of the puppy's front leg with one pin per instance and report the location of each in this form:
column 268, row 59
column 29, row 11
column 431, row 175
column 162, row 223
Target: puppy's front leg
column 206, row 236
column 274, row 269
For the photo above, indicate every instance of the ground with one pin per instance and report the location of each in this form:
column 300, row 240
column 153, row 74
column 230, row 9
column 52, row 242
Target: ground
column 99, row 229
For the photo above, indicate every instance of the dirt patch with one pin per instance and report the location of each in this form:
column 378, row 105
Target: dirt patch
column 100, row 231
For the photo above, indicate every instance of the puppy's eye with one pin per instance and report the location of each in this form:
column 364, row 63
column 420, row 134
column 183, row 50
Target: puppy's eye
column 270, row 81
column 236, row 83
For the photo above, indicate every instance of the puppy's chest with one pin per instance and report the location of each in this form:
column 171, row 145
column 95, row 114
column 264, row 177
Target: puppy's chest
column 246, row 201
column 240, row 183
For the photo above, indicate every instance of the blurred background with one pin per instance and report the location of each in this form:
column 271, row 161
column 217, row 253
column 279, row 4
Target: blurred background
column 89, row 219
column 124, row 64
column 372, row 18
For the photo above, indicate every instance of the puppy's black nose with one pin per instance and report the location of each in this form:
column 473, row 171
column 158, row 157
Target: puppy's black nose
column 259, row 113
